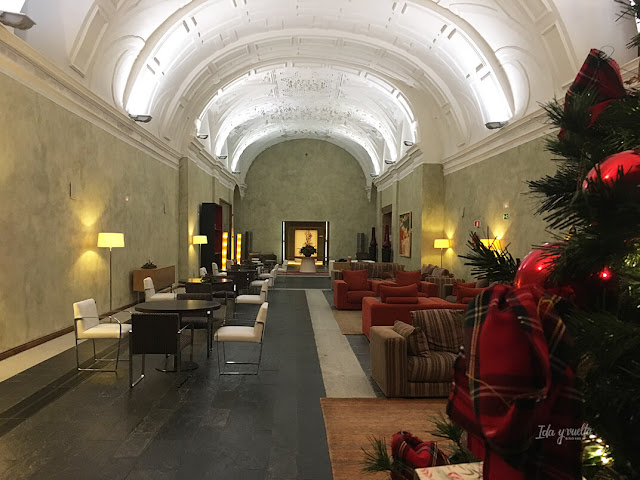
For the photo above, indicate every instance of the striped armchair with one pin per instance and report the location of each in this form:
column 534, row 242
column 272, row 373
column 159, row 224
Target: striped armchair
column 402, row 375
column 441, row 281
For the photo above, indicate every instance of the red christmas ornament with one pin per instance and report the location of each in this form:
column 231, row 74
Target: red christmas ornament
column 605, row 274
column 535, row 267
column 629, row 160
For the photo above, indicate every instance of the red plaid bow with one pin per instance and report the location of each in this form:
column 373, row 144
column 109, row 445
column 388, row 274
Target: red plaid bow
column 515, row 380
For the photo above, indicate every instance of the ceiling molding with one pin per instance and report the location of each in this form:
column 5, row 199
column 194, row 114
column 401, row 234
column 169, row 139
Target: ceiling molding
column 21, row 62
column 209, row 164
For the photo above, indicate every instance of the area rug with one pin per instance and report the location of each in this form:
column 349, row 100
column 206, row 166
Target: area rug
column 349, row 321
column 351, row 422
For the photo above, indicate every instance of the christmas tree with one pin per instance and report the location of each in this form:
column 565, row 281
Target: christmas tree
column 593, row 200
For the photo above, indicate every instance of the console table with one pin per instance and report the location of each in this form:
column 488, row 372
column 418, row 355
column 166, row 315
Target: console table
column 162, row 277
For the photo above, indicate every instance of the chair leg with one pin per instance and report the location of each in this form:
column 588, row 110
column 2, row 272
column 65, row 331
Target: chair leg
column 95, row 360
column 225, row 362
column 77, row 355
column 131, row 382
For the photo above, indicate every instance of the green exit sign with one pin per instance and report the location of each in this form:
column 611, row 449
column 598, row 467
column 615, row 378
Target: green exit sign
column 505, row 216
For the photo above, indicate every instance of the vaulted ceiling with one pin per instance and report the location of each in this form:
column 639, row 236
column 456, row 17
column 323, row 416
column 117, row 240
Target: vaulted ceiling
column 372, row 76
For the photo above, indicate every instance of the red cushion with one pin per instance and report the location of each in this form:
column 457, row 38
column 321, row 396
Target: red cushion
column 464, row 292
column 355, row 280
column 407, row 278
column 401, row 300
column 466, row 285
column 356, row 297
column 466, row 300
column 406, row 291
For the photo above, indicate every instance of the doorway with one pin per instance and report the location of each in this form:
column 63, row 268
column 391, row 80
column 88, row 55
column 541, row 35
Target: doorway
column 294, row 235
column 387, row 214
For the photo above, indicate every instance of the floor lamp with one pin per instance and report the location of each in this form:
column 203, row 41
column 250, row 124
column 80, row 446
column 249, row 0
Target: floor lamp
column 442, row 244
column 200, row 240
column 110, row 240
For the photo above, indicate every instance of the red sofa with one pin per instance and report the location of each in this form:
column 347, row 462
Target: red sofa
column 375, row 313
column 349, row 292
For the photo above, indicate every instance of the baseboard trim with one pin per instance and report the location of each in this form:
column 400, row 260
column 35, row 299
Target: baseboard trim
column 51, row 336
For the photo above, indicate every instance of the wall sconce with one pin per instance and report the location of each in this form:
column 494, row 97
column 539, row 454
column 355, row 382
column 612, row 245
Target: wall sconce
column 389, row 162
column 492, row 243
column 442, row 244
column 110, row 240
column 494, row 125
column 374, row 175
column 408, row 143
column 200, row 240
column 16, row 20
column 202, row 136
column 236, row 172
column 225, row 249
column 140, row 118
column 222, row 157
column 238, row 248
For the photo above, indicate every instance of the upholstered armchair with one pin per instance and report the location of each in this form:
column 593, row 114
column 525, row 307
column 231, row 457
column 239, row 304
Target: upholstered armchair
column 403, row 278
column 150, row 294
column 417, row 360
column 349, row 292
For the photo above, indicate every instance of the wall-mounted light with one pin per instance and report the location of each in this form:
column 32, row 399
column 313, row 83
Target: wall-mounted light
column 16, row 20
column 374, row 175
column 140, row 118
column 492, row 243
column 202, row 136
column 222, row 157
column 238, row 248
column 494, row 125
column 225, row 249
column 442, row 244
column 236, row 172
column 408, row 143
column 389, row 162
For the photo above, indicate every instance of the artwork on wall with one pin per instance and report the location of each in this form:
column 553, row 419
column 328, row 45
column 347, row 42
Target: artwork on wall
column 405, row 234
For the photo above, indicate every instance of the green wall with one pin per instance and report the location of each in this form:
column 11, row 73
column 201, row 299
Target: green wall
column 306, row 180
column 49, row 256
column 487, row 190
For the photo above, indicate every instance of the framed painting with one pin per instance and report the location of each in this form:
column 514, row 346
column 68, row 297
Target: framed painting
column 405, row 234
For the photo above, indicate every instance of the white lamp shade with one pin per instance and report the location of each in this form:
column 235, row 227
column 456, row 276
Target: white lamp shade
column 441, row 243
column 199, row 239
column 110, row 240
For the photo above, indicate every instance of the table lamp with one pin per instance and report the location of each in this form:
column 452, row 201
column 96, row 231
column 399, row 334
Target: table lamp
column 442, row 244
column 110, row 240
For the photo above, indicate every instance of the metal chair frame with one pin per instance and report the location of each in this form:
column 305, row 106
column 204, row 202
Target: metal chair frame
column 93, row 341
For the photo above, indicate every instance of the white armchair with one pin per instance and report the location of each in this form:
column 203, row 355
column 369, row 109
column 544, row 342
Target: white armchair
column 203, row 271
column 87, row 326
column 216, row 271
column 283, row 269
column 150, row 294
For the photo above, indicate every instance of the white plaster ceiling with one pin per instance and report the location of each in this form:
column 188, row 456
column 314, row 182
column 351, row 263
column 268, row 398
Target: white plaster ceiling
column 366, row 75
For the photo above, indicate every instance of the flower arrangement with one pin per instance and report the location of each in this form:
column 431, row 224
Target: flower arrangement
column 307, row 249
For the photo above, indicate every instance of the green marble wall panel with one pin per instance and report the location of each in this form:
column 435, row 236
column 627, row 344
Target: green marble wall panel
column 49, row 257
column 305, row 180
column 486, row 191
column 410, row 199
column 432, row 212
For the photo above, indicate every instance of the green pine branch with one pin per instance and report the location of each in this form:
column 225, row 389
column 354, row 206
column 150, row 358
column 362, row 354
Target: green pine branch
column 489, row 263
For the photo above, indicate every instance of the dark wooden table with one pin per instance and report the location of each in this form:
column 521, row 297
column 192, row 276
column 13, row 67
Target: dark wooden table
column 179, row 307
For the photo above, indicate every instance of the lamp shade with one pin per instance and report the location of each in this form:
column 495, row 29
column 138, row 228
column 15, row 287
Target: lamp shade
column 441, row 243
column 110, row 240
column 199, row 239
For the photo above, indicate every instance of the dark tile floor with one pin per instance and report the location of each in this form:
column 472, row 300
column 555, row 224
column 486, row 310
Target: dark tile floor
column 58, row 423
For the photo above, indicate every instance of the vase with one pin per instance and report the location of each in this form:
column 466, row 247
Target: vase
column 373, row 246
column 387, row 240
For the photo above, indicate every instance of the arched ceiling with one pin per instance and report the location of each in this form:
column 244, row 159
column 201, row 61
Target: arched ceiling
column 367, row 75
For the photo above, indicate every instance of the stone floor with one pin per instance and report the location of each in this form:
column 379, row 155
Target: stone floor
column 56, row 422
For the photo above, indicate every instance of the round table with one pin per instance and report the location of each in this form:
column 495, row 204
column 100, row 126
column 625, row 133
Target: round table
column 179, row 307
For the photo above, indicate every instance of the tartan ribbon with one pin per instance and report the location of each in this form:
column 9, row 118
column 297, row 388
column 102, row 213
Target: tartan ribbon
column 514, row 377
column 415, row 452
column 601, row 74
